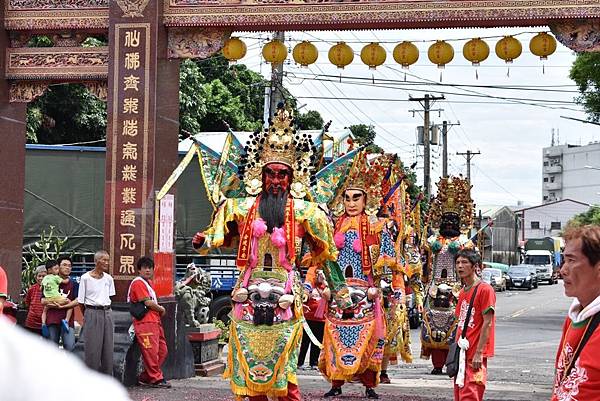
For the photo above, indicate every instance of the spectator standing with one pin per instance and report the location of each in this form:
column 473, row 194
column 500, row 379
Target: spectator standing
column 57, row 330
column 148, row 329
column 469, row 385
column 577, row 364
column 95, row 289
column 54, row 296
column 33, row 301
column 315, row 308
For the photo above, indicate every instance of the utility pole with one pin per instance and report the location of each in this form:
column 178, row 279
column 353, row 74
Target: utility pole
column 276, row 96
column 445, row 149
column 469, row 155
column 426, row 101
column 445, row 126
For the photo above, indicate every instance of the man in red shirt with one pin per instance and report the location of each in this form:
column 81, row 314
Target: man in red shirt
column 148, row 330
column 480, row 329
column 581, row 278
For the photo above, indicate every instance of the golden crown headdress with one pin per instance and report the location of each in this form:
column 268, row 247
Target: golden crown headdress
column 367, row 177
column 454, row 196
column 279, row 143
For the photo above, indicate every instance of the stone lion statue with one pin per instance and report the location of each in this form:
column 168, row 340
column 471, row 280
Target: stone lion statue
column 193, row 293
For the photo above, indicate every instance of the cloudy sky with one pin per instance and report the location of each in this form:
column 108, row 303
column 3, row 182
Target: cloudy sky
column 510, row 134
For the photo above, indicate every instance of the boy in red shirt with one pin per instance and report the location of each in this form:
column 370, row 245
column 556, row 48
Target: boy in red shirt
column 148, row 329
column 481, row 326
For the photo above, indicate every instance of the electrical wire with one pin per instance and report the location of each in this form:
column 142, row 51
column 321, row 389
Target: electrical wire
column 368, row 117
column 544, row 103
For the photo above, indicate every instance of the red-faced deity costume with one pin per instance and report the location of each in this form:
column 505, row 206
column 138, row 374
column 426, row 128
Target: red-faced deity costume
column 272, row 223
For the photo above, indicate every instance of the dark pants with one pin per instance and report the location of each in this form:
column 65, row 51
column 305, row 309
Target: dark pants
column 68, row 338
column 438, row 357
column 98, row 332
column 317, row 328
column 34, row 331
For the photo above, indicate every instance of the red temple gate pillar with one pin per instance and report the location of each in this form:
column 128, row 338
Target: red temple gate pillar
column 142, row 133
column 12, row 180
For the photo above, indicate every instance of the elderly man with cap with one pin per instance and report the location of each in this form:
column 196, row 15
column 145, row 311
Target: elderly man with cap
column 33, row 300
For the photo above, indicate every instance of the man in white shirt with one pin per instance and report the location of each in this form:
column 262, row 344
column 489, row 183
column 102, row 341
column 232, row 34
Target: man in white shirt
column 95, row 289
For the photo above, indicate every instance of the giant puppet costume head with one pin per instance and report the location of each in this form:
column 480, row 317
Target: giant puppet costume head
column 278, row 162
column 279, row 157
column 451, row 212
column 362, row 191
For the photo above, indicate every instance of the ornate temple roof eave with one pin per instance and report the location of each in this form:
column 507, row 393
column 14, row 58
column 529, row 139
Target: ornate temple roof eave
column 499, row 22
column 369, row 26
column 56, row 24
column 64, row 78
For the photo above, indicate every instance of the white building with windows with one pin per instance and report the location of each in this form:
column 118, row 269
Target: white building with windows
column 549, row 219
column 571, row 172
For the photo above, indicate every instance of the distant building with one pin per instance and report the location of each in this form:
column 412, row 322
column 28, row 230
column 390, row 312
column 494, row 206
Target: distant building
column 500, row 234
column 565, row 175
column 548, row 220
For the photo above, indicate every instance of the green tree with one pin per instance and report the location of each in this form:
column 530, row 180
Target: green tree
column 592, row 216
column 364, row 135
column 586, row 74
column 192, row 107
column 310, row 120
column 66, row 113
column 244, row 84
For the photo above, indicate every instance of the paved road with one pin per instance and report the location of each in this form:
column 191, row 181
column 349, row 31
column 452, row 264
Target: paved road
column 528, row 329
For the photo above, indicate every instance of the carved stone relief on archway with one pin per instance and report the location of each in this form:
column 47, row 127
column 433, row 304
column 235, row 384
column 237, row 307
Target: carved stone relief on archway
column 195, row 42
column 581, row 35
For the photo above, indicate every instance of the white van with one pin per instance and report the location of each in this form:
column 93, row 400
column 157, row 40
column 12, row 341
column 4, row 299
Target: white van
column 542, row 260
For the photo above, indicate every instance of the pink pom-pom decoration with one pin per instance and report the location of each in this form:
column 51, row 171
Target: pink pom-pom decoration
column 357, row 245
column 339, row 240
column 278, row 237
column 259, row 228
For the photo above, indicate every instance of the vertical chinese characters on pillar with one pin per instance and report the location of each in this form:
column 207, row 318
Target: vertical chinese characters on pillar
column 129, row 139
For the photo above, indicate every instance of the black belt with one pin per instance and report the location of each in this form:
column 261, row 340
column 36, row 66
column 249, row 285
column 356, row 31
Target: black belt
column 98, row 307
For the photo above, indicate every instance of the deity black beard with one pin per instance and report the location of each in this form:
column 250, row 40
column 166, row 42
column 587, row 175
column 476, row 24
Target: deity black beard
column 264, row 314
column 272, row 208
column 450, row 225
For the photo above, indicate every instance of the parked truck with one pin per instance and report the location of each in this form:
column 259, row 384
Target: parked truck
column 545, row 254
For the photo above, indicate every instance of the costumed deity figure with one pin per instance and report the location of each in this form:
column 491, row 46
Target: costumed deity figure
column 193, row 293
column 397, row 342
column 272, row 222
column 354, row 337
column 451, row 213
column 397, row 206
